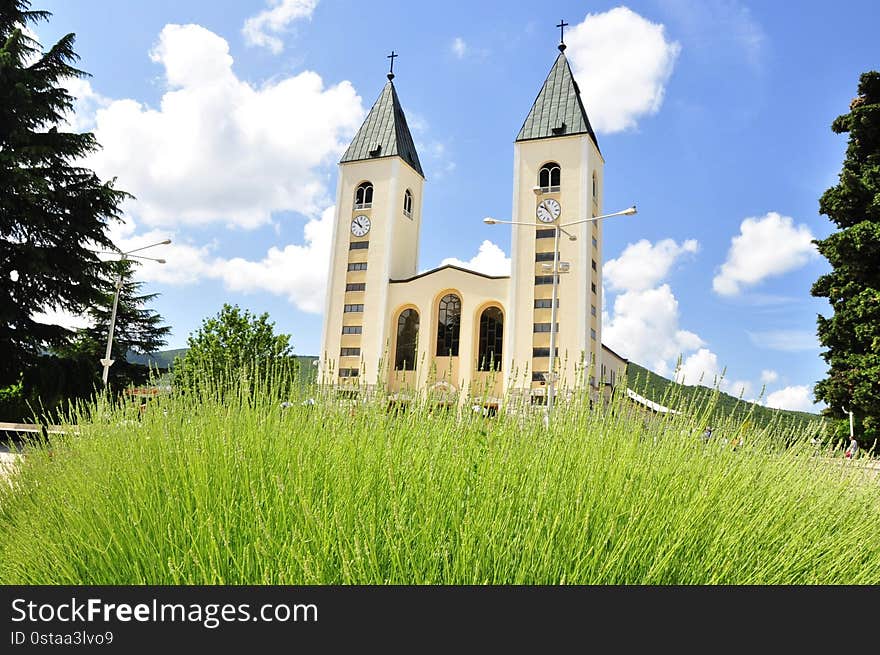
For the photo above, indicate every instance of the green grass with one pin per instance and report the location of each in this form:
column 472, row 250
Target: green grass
column 245, row 492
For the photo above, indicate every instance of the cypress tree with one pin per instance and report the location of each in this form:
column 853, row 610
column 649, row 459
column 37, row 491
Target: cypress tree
column 851, row 336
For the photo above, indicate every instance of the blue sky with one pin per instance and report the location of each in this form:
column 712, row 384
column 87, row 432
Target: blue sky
column 226, row 120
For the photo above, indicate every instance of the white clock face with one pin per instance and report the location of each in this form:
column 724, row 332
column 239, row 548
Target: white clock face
column 548, row 210
column 360, row 225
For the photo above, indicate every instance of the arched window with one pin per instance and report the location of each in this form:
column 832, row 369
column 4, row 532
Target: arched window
column 363, row 197
column 407, row 203
column 407, row 337
column 448, row 326
column 548, row 177
column 491, row 334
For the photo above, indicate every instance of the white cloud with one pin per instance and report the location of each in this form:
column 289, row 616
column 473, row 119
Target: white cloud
column 490, row 260
column 264, row 28
column 63, row 318
column 459, row 47
column 219, row 149
column 766, row 246
column 643, row 265
column 86, row 102
column 702, row 368
column 34, row 57
column 768, row 376
column 738, row 388
column 699, row 368
column 644, row 327
column 785, row 340
column 797, row 398
column 622, row 62
column 297, row 272
column 644, row 324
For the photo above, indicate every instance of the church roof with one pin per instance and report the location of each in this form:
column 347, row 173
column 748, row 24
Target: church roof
column 453, row 267
column 558, row 109
column 384, row 133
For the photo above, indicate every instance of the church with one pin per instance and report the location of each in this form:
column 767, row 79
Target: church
column 459, row 332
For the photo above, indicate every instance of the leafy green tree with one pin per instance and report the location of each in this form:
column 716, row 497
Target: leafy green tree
column 138, row 329
column 229, row 346
column 52, row 211
column 852, row 335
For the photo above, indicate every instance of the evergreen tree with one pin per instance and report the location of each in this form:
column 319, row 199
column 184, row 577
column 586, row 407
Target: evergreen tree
column 52, row 211
column 137, row 329
column 852, row 335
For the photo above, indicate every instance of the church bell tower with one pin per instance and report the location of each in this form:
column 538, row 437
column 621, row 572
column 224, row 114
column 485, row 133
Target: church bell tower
column 558, row 171
column 375, row 238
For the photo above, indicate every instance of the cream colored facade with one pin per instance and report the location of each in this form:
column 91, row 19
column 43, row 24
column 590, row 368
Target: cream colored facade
column 579, row 291
column 487, row 337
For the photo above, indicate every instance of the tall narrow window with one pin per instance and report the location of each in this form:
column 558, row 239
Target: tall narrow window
column 407, row 203
column 491, row 336
column 407, row 337
column 548, row 177
column 545, row 279
column 595, row 187
column 544, row 256
column 363, row 196
column 448, row 326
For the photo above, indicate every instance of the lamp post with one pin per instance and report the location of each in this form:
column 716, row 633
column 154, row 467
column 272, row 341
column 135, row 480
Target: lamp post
column 106, row 362
column 558, row 268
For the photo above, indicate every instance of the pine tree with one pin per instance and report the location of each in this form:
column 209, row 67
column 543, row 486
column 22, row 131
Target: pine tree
column 852, row 335
column 53, row 212
column 137, row 328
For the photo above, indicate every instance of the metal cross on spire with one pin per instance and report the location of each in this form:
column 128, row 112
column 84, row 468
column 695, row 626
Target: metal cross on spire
column 562, row 25
column 391, row 57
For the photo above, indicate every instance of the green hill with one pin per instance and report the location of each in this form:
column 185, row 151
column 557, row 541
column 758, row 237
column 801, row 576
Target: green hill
column 164, row 359
column 161, row 359
column 688, row 398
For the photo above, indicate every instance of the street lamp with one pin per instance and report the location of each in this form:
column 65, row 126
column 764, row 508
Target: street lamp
column 107, row 362
column 557, row 269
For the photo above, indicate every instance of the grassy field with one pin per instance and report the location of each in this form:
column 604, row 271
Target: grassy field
column 654, row 387
column 244, row 491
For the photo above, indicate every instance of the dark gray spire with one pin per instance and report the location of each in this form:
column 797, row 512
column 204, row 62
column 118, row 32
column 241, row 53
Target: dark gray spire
column 558, row 109
column 384, row 133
